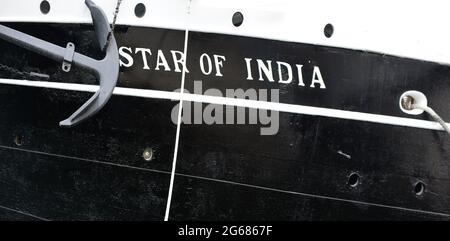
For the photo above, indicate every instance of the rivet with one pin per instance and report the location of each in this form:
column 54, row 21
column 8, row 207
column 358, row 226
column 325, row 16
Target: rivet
column 18, row 140
column 148, row 154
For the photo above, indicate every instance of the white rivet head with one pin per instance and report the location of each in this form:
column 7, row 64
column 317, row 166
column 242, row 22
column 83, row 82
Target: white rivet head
column 148, row 154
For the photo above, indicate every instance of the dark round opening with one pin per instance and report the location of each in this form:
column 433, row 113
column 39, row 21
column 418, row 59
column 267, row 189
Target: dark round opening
column 45, row 7
column 238, row 18
column 353, row 179
column 419, row 188
column 139, row 10
column 328, row 30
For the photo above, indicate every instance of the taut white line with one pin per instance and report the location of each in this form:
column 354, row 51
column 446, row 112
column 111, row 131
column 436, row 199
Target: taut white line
column 180, row 110
column 282, row 107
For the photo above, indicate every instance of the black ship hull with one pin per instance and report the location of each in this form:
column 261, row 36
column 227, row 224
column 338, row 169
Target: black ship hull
column 315, row 166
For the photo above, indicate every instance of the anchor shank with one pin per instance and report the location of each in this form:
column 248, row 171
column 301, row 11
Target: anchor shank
column 31, row 43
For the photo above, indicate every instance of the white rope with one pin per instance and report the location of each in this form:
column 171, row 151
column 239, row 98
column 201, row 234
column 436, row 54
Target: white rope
column 433, row 115
column 408, row 102
column 180, row 109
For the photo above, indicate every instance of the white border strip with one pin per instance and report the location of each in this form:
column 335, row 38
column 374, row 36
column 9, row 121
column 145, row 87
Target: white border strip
column 282, row 107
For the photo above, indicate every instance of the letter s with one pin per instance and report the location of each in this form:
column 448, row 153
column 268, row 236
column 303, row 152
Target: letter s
column 127, row 56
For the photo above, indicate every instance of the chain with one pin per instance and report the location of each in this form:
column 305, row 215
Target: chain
column 21, row 74
column 14, row 71
column 111, row 33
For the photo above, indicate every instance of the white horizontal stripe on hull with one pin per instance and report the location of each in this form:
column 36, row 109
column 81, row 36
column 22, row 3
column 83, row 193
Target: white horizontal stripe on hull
column 282, row 107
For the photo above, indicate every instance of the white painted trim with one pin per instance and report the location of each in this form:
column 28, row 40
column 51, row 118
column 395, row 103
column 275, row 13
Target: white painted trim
column 407, row 28
column 282, row 107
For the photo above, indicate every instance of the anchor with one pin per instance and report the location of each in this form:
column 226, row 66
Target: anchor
column 105, row 70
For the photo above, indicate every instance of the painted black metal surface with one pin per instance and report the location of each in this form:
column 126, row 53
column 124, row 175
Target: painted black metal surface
column 61, row 188
column 7, row 214
column 94, row 171
column 198, row 199
column 224, row 172
column 355, row 80
column 84, row 39
column 315, row 156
